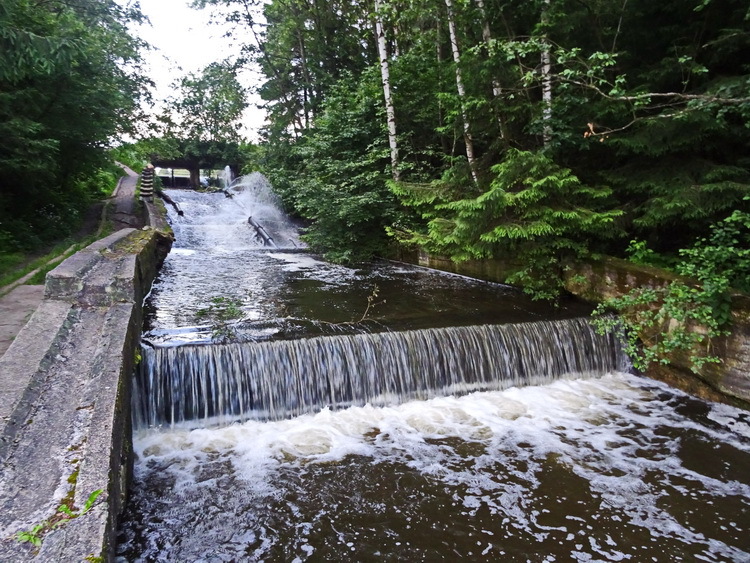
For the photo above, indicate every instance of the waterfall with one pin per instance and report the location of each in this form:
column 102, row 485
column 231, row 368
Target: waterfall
column 221, row 384
column 219, row 220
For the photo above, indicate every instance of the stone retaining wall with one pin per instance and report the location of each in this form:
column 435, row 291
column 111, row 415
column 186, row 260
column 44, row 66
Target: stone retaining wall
column 65, row 381
column 611, row 277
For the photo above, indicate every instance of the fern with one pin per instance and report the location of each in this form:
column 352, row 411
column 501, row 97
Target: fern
column 533, row 208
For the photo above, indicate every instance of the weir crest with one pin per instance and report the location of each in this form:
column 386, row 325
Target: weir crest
column 225, row 383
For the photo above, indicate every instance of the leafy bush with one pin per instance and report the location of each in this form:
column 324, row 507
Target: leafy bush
column 534, row 210
column 685, row 316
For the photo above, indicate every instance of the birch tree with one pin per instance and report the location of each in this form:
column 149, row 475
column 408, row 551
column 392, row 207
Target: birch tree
column 385, row 74
column 497, row 90
column 468, row 140
column 546, row 60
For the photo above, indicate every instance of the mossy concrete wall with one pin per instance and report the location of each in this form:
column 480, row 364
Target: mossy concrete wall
column 611, row 277
column 65, row 386
column 596, row 281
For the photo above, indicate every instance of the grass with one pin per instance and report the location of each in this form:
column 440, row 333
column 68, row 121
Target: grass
column 9, row 262
column 15, row 266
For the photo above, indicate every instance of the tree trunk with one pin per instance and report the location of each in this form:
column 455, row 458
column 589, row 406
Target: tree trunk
column 497, row 90
column 468, row 141
column 385, row 74
column 447, row 149
column 307, row 88
column 546, row 81
column 195, row 178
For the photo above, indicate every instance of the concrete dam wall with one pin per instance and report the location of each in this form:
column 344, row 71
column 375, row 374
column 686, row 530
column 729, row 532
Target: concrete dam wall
column 65, row 433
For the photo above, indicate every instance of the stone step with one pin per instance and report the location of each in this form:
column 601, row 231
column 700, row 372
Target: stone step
column 93, row 276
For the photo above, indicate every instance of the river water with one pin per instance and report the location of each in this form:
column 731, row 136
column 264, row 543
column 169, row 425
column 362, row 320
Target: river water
column 553, row 453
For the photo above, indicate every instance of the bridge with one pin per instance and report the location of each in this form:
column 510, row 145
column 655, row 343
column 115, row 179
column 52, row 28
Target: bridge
column 195, row 156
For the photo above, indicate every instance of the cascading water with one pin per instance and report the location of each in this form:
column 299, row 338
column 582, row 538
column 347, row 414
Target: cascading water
column 219, row 220
column 272, row 380
column 527, row 443
column 226, row 177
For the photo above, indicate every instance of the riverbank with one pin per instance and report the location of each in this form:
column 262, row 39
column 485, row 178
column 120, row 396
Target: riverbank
column 728, row 381
column 18, row 301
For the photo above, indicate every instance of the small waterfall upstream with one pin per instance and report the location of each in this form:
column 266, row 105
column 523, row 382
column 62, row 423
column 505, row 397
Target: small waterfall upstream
column 387, row 412
column 227, row 383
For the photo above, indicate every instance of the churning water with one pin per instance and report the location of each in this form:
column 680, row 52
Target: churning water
column 451, row 420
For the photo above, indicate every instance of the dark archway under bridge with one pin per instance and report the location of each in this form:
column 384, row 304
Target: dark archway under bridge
column 195, row 156
column 193, row 166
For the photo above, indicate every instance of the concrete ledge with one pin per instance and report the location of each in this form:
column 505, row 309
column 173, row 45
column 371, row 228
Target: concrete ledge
column 23, row 368
column 65, row 401
column 86, row 273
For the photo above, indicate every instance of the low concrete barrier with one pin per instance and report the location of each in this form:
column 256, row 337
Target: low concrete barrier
column 65, row 429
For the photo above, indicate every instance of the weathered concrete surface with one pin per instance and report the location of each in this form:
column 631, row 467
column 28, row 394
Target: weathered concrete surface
column 489, row 270
column 65, row 400
column 123, row 209
column 16, row 307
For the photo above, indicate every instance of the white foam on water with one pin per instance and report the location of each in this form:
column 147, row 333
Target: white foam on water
column 618, row 434
column 219, row 221
column 298, row 262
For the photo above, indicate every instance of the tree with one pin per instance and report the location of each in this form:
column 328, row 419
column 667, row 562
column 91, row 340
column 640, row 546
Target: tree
column 534, row 211
column 656, row 120
column 468, row 139
column 338, row 182
column 57, row 57
column 209, row 106
column 385, row 74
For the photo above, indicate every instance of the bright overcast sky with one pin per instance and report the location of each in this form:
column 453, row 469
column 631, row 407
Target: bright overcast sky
column 184, row 42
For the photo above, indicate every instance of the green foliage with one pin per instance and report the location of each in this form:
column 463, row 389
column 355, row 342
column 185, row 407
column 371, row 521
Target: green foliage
column 638, row 252
column 32, row 536
column 534, row 210
column 132, row 155
column 646, row 135
column 684, row 316
column 57, row 57
column 222, row 313
column 15, row 266
column 63, row 514
column 721, row 261
column 654, row 324
column 339, row 178
column 208, row 106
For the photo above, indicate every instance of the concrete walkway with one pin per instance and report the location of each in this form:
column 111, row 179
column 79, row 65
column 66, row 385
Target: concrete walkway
column 17, row 305
column 125, row 213
column 16, row 308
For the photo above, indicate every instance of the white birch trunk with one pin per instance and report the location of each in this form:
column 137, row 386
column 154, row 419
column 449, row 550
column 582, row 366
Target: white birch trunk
column 468, row 141
column 546, row 83
column 497, row 90
column 385, row 75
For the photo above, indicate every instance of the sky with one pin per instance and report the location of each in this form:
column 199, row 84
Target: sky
column 185, row 42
